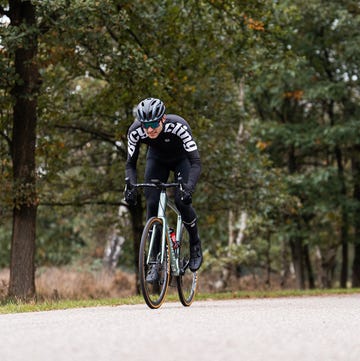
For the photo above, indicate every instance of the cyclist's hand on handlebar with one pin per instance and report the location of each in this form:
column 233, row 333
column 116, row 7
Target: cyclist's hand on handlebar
column 186, row 194
column 130, row 194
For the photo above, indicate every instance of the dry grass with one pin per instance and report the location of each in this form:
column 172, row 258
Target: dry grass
column 69, row 283
column 4, row 280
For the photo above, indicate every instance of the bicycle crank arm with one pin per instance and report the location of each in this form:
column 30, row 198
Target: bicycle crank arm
column 183, row 269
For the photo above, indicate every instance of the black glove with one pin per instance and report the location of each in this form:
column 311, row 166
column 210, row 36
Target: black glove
column 130, row 196
column 186, row 194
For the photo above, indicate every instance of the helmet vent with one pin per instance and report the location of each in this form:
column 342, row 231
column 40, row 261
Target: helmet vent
column 150, row 109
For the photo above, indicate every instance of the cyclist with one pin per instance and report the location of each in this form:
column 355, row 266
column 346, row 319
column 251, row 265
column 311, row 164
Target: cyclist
column 171, row 147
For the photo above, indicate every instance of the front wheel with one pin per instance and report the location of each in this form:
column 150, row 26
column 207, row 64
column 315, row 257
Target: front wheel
column 187, row 281
column 150, row 255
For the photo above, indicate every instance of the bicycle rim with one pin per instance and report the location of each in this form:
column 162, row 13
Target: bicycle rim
column 187, row 281
column 153, row 293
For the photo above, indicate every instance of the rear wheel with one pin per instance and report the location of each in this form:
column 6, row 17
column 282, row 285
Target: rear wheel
column 154, row 292
column 187, row 281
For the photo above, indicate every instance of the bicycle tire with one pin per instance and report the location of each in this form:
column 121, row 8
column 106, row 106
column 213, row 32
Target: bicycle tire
column 154, row 293
column 187, row 280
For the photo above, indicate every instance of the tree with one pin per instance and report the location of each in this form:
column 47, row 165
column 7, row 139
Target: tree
column 308, row 97
column 24, row 32
column 356, row 194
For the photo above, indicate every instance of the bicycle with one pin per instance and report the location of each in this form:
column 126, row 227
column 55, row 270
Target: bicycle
column 167, row 249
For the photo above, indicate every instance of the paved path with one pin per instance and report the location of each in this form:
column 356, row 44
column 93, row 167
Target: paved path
column 291, row 329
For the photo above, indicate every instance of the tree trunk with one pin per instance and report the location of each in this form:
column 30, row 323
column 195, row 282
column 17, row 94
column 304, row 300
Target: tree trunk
column 298, row 261
column 296, row 244
column 356, row 262
column 328, row 264
column 344, row 221
column 112, row 251
column 344, row 251
column 137, row 213
column 309, row 268
column 285, row 273
column 22, row 265
column 268, row 261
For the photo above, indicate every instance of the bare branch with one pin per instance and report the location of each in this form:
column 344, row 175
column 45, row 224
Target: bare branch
column 108, row 137
column 7, row 138
column 97, row 133
column 82, row 203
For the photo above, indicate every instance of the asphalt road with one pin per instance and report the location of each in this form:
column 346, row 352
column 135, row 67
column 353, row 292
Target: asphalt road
column 291, row 329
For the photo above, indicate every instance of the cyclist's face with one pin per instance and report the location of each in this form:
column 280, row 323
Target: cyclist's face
column 154, row 132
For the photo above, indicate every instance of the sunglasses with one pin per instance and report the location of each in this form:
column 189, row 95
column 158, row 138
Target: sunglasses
column 153, row 124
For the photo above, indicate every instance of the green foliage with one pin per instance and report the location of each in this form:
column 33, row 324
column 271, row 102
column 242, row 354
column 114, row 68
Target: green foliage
column 57, row 242
column 271, row 90
column 308, row 107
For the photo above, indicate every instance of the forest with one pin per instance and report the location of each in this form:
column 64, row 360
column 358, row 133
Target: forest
column 271, row 90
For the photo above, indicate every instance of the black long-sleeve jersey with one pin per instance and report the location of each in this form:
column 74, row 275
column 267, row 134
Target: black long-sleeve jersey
column 174, row 143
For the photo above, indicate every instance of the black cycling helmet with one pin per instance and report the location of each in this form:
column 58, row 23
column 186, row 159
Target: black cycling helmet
column 150, row 110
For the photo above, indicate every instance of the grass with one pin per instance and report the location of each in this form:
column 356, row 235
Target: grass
column 19, row 307
column 70, row 287
column 12, row 307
